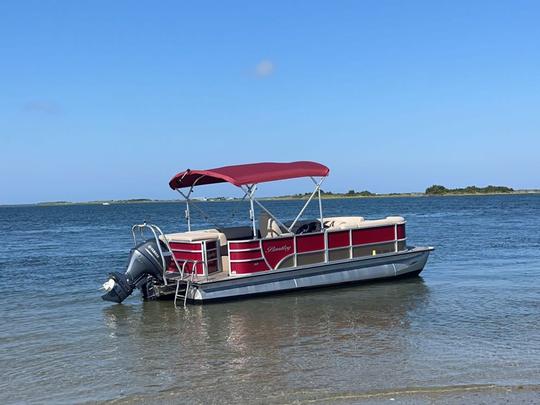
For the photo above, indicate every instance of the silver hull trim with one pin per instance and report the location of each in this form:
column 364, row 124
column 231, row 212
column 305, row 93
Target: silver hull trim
column 388, row 265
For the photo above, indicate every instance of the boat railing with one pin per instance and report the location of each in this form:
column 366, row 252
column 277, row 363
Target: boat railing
column 193, row 273
column 158, row 235
column 324, row 246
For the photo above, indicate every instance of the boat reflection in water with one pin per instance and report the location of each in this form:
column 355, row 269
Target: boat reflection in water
column 339, row 337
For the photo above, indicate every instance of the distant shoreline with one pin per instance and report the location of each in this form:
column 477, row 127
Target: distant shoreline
column 401, row 195
column 277, row 198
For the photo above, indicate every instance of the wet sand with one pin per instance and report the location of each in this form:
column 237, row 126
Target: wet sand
column 464, row 394
column 477, row 394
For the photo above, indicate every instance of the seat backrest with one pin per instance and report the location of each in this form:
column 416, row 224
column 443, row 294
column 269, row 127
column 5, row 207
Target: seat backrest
column 268, row 226
column 238, row 232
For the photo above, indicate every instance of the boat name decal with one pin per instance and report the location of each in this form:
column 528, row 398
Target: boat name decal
column 284, row 248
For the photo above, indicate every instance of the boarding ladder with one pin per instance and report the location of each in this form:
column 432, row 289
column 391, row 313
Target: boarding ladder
column 180, row 292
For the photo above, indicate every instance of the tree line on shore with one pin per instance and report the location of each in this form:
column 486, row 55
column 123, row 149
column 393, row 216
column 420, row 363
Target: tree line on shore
column 437, row 189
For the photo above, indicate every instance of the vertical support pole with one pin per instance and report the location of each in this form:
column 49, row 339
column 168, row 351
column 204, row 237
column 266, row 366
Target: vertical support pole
column 295, row 262
column 395, row 238
column 318, row 188
column 252, row 209
column 320, row 208
column 205, row 259
column 188, row 217
column 187, row 212
column 326, row 251
column 351, row 248
column 249, row 192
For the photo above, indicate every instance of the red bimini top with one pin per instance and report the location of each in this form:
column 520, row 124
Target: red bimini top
column 252, row 173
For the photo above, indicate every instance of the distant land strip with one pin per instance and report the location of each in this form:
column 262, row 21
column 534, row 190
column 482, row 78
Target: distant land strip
column 435, row 190
column 432, row 191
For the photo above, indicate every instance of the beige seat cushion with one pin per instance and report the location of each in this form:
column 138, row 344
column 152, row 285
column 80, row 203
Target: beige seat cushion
column 195, row 236
column 343, row 222
column 359, row 222
column 381, row 222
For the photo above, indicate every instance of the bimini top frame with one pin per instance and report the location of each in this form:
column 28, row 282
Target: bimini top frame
column 253, row 173
column 246, row 177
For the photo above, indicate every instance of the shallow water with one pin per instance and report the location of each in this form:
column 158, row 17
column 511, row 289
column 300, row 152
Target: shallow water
column 472, row 318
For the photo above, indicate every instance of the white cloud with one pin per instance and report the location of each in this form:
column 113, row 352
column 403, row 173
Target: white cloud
column 265, row 68
column 41, row 106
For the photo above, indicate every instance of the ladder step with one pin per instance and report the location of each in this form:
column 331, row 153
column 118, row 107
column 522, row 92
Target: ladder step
column 181, row 292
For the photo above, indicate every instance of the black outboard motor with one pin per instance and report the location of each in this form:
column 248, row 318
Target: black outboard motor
column 144, row 261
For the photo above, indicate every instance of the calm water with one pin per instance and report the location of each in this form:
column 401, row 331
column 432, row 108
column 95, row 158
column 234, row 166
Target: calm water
column 472, row 318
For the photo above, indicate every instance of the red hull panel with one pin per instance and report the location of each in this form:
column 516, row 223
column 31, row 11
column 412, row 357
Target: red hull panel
column 244, row 245
column 338, row 239
column 373, row 235
column 246, row 255
column 309, row 243
column 192, row 247
column 401, row 231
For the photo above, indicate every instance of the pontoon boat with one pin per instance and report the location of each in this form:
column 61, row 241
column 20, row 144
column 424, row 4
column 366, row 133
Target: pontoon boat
column 268, row 256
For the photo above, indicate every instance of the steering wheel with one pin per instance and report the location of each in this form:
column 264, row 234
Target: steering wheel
column 307, row 228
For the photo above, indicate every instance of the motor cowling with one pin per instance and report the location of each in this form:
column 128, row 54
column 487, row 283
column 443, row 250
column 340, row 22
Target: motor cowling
column 144, row 261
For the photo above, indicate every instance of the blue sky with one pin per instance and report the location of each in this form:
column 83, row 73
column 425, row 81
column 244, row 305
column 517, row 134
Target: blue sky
column 108, row 99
